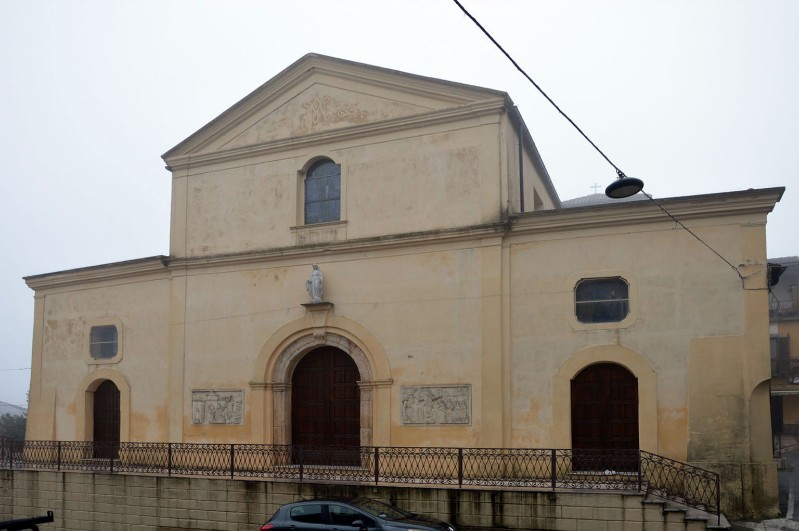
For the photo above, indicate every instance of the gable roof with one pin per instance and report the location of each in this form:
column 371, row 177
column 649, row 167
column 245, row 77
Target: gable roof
column 318, row 93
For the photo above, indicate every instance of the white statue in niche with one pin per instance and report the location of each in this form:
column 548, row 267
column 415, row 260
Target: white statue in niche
column 315, row 284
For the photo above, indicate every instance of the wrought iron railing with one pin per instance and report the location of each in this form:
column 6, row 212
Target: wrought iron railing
column 553, row 469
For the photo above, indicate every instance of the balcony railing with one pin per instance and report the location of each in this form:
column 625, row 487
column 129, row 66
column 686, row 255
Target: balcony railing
column 632, row 470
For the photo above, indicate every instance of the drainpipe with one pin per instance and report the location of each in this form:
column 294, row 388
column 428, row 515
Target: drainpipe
column 521, row 162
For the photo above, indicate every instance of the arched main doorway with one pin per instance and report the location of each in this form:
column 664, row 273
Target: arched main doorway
column 106, row 420
column 326, row 400
column 604, row 416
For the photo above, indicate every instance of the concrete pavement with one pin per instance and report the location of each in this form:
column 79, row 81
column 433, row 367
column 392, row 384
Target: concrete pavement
column 788, row 476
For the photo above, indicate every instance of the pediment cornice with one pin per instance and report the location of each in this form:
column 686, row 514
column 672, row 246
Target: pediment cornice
column 448, row 93
column 469, row 111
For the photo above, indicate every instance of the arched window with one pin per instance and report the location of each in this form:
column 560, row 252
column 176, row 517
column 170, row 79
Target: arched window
column 323, row 192
column 602, row 300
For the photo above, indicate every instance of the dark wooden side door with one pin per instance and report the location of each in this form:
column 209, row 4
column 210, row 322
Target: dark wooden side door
column 106, row 420
column 326, row 400
column 604, row 415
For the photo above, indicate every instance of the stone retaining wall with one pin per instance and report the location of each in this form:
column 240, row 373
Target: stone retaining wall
column 88, row 501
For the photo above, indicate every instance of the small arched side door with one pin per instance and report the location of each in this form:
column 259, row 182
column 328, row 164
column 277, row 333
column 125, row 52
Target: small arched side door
column 604, row 416
column 106, row 419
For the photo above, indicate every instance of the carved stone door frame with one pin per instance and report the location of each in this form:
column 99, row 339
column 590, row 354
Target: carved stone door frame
column 281, row 384
column 270, row 397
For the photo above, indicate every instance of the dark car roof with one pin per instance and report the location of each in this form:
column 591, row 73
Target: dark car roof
column 325, row 500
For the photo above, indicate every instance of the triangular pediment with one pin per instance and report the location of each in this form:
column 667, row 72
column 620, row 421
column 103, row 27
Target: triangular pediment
column 318, row 94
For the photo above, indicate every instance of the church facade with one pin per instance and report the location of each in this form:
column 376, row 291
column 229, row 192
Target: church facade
column 360, row 256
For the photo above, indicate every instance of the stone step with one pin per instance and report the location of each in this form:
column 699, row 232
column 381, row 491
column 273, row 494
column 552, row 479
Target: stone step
column 690, row 517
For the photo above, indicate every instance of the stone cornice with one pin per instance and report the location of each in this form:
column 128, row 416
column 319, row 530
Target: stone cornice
column 747, row 202
column 347, row 246
column 375, row 384
column 151, row 266
column 725, row 204
column 169, row 266
column 472, row 110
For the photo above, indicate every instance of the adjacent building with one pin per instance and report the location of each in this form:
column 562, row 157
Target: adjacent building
column 361, row 256
column 784, row 318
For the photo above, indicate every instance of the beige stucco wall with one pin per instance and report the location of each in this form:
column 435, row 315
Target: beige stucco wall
column 433, row 278
column 494, row 312
column 64, row 371
column 497, row 314
column 451, row 172
column 427, row 339
column 237, row 184
column 683, row 304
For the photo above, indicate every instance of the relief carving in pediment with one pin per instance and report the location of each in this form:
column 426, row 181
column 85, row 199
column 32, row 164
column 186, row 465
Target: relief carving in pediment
column 321, row 108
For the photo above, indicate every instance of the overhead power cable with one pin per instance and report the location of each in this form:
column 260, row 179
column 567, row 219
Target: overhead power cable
column 692, row 233
column 619, row 172
column 530, row 79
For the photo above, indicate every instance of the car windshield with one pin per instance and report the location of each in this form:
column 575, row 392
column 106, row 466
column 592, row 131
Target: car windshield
column 380, row 509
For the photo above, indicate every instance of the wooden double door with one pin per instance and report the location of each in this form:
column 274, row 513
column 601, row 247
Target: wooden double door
column 604, row 417
column 326, row 401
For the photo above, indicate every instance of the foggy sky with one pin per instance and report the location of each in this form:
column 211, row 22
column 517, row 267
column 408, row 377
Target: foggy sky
column 690, row 96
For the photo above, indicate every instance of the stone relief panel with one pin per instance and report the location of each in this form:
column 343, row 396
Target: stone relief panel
column 217, row 407
column 436, row 404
